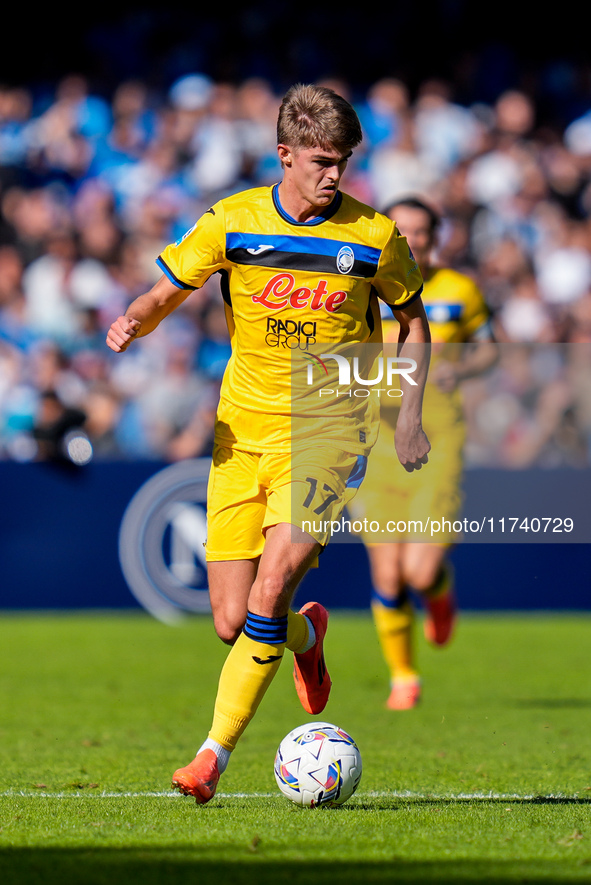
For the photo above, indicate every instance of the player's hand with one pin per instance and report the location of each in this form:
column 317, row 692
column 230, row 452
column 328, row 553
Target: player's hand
column 122, row 333
column 445, row 376
column 412, row 447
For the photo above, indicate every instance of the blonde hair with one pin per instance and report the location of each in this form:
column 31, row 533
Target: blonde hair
column 315, row 116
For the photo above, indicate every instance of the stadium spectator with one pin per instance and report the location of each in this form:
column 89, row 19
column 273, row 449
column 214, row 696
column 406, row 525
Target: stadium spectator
column 54, row 422
column 92, row 185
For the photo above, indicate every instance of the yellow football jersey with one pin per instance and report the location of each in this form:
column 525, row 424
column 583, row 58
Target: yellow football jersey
column 455, row 308
column 289, row 286
column 457, row 314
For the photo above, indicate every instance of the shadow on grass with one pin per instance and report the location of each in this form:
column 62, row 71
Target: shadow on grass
column 400, row 803
column 156, row 866
column 382, row 803
column 553, row 703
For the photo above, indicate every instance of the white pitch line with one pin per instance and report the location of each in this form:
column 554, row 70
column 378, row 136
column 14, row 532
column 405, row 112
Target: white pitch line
column 374, row 794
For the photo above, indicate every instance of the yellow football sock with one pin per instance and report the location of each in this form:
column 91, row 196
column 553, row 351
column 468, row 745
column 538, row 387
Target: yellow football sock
column 297, row 631
column 394, row 626
column 246, row 675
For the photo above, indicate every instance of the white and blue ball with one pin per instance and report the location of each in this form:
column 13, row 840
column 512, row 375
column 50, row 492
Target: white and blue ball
column 318, row 764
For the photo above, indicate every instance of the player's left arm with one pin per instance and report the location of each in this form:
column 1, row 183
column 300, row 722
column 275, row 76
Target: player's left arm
column 414, row 339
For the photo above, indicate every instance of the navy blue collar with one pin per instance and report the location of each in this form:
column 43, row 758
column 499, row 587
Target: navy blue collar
column 324, row 215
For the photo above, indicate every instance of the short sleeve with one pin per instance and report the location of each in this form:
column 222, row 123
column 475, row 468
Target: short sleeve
column 190, row 261
column 398, row 280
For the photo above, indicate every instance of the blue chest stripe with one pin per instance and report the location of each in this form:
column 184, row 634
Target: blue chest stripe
column 260, row 244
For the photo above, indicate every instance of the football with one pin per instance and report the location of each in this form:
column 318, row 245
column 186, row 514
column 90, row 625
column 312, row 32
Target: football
column 318, row 764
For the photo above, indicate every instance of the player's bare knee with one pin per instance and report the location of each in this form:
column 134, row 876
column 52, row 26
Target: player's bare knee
column 227, row 630
column 267, row 592
column 387, row 580
column 422, row 578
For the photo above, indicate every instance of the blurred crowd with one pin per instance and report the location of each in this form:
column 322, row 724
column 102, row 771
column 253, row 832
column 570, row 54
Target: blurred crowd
column 93, row 187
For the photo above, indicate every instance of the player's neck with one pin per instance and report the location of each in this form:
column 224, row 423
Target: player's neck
column 297, row 206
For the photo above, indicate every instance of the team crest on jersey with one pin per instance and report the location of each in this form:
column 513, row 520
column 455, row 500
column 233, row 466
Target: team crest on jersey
column 345, row 259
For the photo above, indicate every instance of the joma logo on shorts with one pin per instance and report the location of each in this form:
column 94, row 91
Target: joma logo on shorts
column 280, row 292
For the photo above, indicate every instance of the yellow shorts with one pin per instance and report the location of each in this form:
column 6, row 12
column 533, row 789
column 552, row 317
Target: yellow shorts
column 401, row 505
column 249, row 492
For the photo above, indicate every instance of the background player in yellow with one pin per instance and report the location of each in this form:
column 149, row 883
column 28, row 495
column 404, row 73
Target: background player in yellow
column 457, row 314
column 300, row 256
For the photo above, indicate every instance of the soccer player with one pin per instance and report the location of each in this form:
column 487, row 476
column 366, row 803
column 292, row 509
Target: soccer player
column 457, row 315
column 300, row 262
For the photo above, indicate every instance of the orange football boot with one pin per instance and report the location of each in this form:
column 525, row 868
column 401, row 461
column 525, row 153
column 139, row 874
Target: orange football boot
column 310, row 675
column 440, row 618
column 405, row 694
column 199, row 778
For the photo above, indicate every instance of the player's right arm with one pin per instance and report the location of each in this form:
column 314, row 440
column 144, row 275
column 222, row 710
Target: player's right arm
column 145, row 313
column 187, row 264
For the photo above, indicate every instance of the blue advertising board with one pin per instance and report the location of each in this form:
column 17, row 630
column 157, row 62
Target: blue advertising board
column 130, row 535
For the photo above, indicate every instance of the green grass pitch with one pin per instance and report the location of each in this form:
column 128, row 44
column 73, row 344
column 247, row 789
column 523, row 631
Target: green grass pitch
column 489, row 780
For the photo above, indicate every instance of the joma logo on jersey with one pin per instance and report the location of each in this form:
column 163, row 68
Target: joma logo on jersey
column 291, row 334
column 280, row 292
